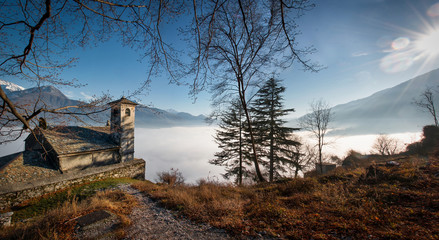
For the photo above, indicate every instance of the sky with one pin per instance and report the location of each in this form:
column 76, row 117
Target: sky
column 364, row 45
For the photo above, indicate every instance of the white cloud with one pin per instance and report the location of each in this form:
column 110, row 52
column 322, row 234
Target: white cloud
column 69, row 94
column 359, row 54
column 85, row 96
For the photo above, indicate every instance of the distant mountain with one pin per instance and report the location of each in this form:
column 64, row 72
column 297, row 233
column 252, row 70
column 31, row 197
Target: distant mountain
column 387, row 111
column 10, row 87
column 145, row 116
column 156, row 118
column 48, row 95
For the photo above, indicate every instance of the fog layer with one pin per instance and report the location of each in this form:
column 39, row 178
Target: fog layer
column 189, row 149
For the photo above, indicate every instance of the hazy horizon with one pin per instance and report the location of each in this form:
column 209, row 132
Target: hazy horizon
column 189, row 149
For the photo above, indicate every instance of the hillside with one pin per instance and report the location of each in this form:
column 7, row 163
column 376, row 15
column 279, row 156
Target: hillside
column 387, row 111
column 394, row 199
column 380, row 202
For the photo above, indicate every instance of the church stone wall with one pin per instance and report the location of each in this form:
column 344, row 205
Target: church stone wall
column 15, row 194
column 72, row 162
column 82, row 160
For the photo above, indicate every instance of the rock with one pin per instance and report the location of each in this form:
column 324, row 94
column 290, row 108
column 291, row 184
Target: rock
column 92, row 218
column 5, row 218
column 392, row 163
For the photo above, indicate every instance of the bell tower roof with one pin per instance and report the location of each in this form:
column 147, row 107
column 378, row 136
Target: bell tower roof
column 123, row 100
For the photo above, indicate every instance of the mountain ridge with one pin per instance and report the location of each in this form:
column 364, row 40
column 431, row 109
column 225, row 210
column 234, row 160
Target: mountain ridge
column 390, row 110
column 145, row 116
column 387, row 111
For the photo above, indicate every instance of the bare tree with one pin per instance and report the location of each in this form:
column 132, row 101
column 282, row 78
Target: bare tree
column 426, row 102
column 234, row 40
column 240, row 41
column 301, row 155
column 317, row 122
column 385, row 145
column 36, row 36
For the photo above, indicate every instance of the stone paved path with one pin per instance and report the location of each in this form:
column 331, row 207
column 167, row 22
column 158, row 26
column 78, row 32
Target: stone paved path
column 151, row 221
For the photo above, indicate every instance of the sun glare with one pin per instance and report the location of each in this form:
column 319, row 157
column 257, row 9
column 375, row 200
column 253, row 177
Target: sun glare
column 404, row 53
column 418, row 47
column 428, row 43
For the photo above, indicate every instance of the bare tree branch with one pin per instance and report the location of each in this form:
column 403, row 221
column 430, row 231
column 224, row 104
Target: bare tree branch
column 427, row 103
column 317, row 122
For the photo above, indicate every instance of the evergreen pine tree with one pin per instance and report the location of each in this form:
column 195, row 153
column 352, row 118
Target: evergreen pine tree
column 272, row 135
column 231, row 138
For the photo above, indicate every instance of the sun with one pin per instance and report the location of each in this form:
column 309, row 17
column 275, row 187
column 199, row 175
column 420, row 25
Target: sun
column 414, row 47
column 428, row 43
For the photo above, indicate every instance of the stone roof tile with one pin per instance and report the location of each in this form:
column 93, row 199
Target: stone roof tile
column 73, row 139
column 123, row 100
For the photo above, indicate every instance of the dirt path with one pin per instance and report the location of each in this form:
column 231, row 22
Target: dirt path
column 151, row 221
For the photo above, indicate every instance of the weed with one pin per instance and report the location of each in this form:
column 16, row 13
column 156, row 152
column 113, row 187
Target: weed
column 399, row 202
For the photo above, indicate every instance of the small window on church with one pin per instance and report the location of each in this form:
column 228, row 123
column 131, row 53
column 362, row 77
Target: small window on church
column 127, row 112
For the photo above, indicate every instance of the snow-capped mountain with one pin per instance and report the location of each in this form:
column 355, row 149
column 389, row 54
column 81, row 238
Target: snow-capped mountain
column 12, row 87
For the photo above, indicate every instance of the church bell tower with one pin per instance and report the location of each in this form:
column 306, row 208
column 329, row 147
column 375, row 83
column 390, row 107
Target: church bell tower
column 122, row 126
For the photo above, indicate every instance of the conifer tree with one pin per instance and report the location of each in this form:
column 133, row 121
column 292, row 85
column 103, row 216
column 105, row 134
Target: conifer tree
column 272, row 134
column 231, row 137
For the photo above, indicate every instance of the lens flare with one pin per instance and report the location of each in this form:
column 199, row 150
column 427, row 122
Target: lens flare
column 433, row 11
column 396, row 62
column 400, row 43
column 404, row 53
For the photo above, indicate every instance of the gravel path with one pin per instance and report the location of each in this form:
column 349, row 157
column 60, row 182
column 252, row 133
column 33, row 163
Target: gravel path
column 151, row 221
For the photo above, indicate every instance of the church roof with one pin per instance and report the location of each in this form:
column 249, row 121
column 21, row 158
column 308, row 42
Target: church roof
column 73, row 139
column 124, row 101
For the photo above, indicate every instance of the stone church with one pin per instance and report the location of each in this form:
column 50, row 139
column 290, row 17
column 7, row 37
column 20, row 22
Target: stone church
column 74, row 147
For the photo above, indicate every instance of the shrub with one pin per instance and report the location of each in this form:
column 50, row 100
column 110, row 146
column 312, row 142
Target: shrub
column 172, row 177
column 429, row 142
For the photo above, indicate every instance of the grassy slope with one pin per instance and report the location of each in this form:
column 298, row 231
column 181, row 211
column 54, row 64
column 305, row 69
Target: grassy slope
column 383, row 203
column 50, row 216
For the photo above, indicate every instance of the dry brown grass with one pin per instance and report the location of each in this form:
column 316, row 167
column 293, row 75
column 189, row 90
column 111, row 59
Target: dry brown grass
column 59, row 223
column 395, row 203
column 220, row 205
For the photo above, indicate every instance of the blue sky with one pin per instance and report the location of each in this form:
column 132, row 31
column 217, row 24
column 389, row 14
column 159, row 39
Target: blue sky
column 365, row 45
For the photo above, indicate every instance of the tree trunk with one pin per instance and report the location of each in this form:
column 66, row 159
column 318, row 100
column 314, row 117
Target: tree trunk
column 240, row 149
column 14, row 111
column 320, row 155
column 271, row 160
column 271, row 140
column 434, row 116
column 250, row 129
